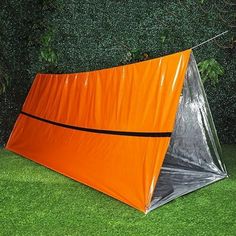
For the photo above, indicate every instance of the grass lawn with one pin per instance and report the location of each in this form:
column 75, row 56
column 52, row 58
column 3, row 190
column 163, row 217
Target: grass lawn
column 37, row 201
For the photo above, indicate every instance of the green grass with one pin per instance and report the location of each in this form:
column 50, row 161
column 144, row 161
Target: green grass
column 37, row 201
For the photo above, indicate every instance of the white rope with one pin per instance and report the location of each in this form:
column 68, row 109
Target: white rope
column 210, row 39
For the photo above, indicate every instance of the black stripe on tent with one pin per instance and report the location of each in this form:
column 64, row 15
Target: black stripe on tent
column 100, row 131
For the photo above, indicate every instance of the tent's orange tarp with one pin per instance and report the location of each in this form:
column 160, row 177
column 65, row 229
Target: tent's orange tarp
column 141, row 97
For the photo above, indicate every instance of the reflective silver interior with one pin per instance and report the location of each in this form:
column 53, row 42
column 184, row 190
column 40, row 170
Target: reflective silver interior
column 193, row 159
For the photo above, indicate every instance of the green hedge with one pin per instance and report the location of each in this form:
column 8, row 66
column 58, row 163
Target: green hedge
column 88, row 35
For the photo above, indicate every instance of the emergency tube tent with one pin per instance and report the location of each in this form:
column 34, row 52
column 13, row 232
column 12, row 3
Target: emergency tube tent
column 141, row 133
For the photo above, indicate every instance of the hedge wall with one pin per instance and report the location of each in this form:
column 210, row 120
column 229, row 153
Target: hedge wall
column 88, row 35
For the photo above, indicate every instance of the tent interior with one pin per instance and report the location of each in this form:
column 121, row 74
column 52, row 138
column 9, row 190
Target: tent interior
column 193, row 157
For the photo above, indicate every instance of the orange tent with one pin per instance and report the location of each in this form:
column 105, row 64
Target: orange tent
column 110, row 129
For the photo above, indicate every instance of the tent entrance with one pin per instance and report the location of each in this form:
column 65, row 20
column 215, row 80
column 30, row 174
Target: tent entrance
column 193, row 157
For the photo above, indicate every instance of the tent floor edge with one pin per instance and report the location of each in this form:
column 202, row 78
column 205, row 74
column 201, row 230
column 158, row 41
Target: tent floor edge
column 157, row 203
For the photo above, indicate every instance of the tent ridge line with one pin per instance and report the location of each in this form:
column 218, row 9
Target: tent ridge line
column 101, row 131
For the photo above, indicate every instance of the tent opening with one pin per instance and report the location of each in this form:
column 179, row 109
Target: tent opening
column 193, row 157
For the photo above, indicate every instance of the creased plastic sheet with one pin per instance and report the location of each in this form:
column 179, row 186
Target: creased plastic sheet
column 193, row 159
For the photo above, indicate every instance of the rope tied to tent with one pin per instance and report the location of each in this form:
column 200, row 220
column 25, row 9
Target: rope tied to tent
column 218, row 35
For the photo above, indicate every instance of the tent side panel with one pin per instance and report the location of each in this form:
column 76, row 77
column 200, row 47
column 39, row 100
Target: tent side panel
column 141, row 97
column 112, row 164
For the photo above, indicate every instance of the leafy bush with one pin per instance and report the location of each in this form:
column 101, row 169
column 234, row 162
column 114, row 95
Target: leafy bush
column 210, row 70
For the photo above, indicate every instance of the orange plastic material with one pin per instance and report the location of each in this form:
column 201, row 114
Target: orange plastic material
column 140, row 97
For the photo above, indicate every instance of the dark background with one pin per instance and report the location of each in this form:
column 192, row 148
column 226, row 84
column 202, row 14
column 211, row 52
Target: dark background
column 88, row 35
